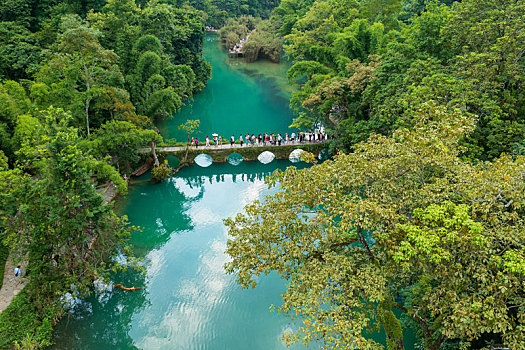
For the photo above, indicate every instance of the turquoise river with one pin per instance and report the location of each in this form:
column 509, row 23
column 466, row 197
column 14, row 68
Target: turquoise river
column 187, row 301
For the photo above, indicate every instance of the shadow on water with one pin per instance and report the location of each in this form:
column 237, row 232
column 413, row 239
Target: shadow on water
column 159, row 209
column 109, row 317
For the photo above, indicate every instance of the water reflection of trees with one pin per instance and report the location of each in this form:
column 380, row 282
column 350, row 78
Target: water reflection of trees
column 159, row 210
column 199, row 181
column 104, row 321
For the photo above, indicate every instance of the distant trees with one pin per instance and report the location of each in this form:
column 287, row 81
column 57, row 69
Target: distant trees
column 263, row 43
column 261, row 37
column 20, row 54
column 80, row 67
column 219, row 11
column 236, row 29
column 441, row 54
column 115, row 61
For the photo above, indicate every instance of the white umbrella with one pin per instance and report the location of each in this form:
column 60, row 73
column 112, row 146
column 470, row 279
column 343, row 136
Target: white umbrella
column 214, row 134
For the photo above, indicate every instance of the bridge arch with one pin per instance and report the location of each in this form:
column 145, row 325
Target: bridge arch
column 266, row 157
column 173, row 161
column 323, row 155
column 235, row 158
column 295, row 155
column 203, row 160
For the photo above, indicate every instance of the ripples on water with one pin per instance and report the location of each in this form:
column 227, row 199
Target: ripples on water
column 235, row 159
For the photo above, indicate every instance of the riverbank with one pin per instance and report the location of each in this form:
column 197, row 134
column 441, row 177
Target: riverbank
column 188, row 301
column 4, row 252
column 21, row 321
column 240, row 98
column 11, row 285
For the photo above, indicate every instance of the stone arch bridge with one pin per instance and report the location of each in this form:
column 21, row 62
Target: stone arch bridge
column 219, row 154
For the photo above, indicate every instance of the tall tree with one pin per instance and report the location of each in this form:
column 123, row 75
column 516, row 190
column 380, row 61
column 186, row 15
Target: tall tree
column 57, row 220
column 81, row 61
column 360, row 236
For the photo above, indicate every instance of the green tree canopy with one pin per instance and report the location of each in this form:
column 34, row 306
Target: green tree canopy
column 56, row 219
column 375, row 230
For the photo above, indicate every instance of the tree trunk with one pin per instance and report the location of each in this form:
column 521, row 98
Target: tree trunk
column 364, row 244
column 391, row 325
column 436, row 344
column 430, row 343
column 88, row 87
column 128, row 289
column 393, row 330
column 155, row 159
column 186, row 155
column 87, row 114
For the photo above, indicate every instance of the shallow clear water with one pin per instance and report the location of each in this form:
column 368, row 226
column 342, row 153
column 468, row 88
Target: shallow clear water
column 240, row 98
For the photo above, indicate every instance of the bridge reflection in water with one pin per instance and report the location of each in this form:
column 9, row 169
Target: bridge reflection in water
column 235, row 155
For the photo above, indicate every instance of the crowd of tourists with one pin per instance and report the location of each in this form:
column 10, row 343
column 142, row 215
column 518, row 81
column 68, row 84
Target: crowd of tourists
column 264, row 139
column 238, row 47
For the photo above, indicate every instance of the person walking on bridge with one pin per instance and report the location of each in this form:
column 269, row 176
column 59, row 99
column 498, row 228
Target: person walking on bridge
column 232, row 141
column 207, row 141
column 240, row 139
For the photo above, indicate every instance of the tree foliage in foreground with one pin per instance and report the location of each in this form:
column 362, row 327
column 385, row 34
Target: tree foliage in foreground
column 402, row 223
column 56, row 220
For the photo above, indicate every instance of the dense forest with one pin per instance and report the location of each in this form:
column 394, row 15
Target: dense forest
column 418, row 221
column 217, row 12
column 82, row 84
column 261, row 40
column 366, row 67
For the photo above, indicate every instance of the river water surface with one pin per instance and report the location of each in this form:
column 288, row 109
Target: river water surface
column 239, row 98
column 187, row 301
